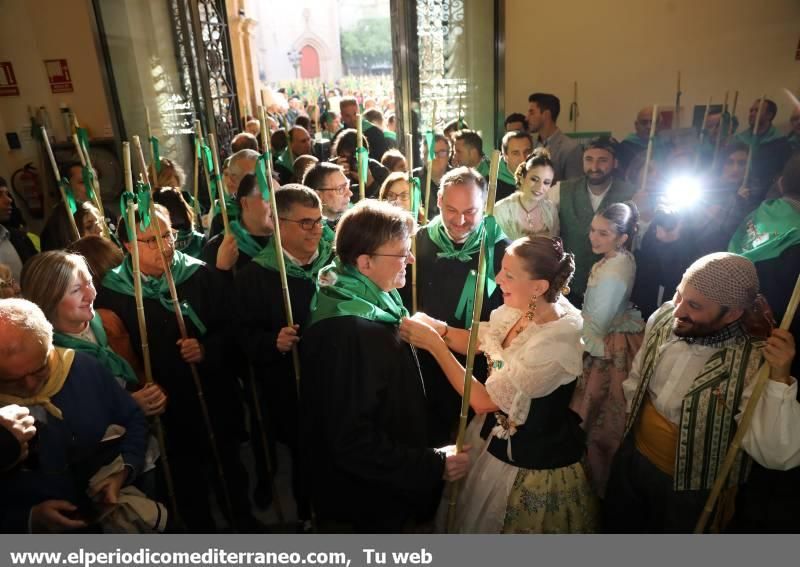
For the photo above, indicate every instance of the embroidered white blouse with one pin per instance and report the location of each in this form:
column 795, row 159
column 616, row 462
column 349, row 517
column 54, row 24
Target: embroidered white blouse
column 516, row 222
column 537, row 361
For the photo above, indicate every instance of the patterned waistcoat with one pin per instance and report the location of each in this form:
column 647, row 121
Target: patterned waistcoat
column 707, row 424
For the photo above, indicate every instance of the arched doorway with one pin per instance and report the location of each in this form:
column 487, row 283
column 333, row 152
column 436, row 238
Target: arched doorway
column 309, row 63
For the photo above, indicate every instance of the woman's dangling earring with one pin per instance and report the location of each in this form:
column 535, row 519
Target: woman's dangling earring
column 531, row 312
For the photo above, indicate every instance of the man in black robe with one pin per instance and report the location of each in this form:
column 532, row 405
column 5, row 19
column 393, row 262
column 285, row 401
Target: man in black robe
column 263, row 330
column 363, row 421
column 348, row 106
column 441, row 165
column 206, row 314
column 447, row 254
column 332, row 186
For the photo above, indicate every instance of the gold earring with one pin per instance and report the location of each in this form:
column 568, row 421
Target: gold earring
column 531, row 312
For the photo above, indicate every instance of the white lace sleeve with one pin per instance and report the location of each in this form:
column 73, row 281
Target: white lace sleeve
column 537, row 371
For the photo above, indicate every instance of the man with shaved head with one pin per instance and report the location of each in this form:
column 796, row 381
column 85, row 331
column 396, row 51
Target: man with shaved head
column 686, row 391
column 636, row 143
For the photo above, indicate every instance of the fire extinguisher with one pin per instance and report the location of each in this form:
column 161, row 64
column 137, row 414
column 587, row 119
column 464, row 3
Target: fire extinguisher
column 25, row 183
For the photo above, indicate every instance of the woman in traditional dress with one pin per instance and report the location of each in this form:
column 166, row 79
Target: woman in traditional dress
column 528, row 212
column 525, row 442
column 612, row 334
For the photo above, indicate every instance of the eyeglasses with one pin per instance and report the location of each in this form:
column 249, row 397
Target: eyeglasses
column 306, row 224
column 392, row 197
column 340, row 189
column 168, row 237
column 406, row 257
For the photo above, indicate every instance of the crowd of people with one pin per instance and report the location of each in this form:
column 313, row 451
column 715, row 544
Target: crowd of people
column 625, row 317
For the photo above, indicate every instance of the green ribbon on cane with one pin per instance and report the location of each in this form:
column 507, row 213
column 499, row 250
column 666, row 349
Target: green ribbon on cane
column 261, row 175
column 362, row 158
column 156, row 154
column 73, row 207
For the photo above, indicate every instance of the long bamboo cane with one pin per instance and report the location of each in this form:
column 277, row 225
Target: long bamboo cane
column 196, row 181
column 96, row 197
column 733, row 107
column 747, row 417
column 410, row 160
column 650, row 143
column 753, row 144
column 57, row 176
column 702, row 134
column 185, row 335
column 148, row 369
column 719, row 132
column 86, row 160
column 429, row 164
column 678, row 94
column 222, row 191
column 573, row 108
column 153, row 164
column 360, row 145
column 473, row 336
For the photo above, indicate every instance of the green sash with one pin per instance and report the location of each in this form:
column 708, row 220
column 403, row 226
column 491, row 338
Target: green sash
column 268, row 259
column 767, row 232
column 117, row 365
column 120, row 279
column 345, row 292
column 506, row 175
column 231, row 204
column 245, row 240
column 494, row 234
column 769, row 136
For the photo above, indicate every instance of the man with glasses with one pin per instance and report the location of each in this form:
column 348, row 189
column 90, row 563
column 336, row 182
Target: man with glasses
column 263, row 331
column 370, row 463
column 206, row 309
column 441, row 165
column 73, row 400
column 333, row 187
column 447, row 259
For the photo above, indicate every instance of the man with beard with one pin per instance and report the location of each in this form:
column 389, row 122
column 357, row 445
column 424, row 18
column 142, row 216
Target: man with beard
column 447, row 260
column 264, row 333
column 686, row 390
column 332, row 186
column 579, row 199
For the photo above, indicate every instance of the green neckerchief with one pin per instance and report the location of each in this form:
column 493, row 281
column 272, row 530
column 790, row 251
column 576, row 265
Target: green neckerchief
column 156, row 154
column 472, row 246
column 767, row 232
column 770, row 135
column 117, row 365
column 634, row 139
column 190, row 242
column 245, row 240
column 366, row 125
column 390, row 135
column 268, row 259
column 483, row 167
column 343, row 291
column 231, row 204
column 71, row 202
column 794, row 141
column 285, row 159
column 506, row 175
column 120, row 279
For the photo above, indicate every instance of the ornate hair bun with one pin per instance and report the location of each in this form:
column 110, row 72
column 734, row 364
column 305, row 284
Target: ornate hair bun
column 565, row 290
column 558, row 245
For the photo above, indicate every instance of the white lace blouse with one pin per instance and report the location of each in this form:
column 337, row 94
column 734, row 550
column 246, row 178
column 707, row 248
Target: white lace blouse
column 537, row 361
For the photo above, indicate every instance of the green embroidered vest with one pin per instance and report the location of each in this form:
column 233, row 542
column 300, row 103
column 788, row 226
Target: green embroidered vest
column 707, row 423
